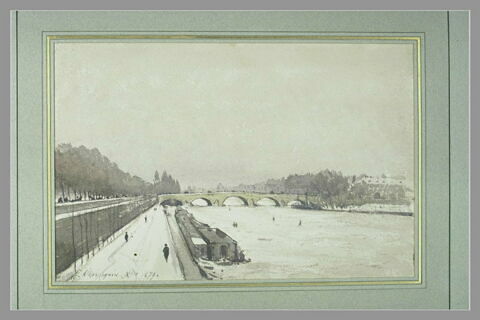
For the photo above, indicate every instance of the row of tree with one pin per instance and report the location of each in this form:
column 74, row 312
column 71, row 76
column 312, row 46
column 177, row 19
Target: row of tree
column 86, row 174
column 165, row 184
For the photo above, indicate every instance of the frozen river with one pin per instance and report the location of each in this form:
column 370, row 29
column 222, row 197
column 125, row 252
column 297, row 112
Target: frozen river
column 327, row 244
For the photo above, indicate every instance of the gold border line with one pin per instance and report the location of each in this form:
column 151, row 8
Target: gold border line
column 419, row 151
column 49, row 41
column 227, row 37
column 49, row 161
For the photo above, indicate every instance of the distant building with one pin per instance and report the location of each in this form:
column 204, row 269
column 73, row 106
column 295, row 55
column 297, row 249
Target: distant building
column 382, row 180
column 383, row 188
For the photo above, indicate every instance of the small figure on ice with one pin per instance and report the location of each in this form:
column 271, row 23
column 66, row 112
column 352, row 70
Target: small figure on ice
column 166, row 251
column 273, row 219
column 126, row 236
column 145, row 219
column 299, row 223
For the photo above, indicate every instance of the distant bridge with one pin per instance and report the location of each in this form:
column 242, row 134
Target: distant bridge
column 219, row 198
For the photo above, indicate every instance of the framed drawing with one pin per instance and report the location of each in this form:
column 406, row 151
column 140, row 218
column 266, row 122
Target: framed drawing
column 241, row 159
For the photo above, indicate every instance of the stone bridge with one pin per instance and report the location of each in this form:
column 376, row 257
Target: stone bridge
column 218, row 198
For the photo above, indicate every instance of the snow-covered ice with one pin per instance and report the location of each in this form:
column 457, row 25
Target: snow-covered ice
column 328, row 244
column 139, row 259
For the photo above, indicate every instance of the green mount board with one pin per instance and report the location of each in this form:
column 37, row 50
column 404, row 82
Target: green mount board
column 445, row 155
column 459, row 159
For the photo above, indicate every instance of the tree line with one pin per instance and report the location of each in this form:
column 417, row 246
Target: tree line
column 86, row 174
column 165, row 184
column 330, row 188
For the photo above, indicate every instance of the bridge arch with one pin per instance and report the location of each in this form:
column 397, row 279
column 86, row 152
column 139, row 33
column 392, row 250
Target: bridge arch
column 209, row 203
column 275, row 201
column 171, row 202
column 294, row 203
column 245, row 201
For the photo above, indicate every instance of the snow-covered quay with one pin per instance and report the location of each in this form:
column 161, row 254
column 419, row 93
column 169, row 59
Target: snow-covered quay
column 138, row 259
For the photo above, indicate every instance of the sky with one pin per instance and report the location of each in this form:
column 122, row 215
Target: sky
column 234, row 113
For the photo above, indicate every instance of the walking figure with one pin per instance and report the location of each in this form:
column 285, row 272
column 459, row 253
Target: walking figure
column 166, row 251
column 299, row 223
column 145, row 218
column 273, row 219
column 126, row 236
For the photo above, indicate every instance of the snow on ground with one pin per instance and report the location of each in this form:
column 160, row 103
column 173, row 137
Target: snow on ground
column 80, row 202
column 375, row 207
column 327, row 244
column 80, row 212
column 139, row 259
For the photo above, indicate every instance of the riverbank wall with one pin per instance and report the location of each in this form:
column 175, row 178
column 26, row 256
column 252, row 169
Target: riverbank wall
column 372, row 208
column 77, row 237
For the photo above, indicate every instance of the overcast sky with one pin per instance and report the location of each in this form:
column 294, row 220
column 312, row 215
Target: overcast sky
column 238, row 113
